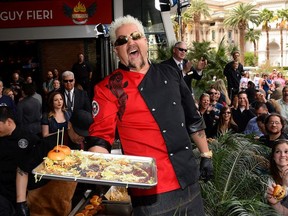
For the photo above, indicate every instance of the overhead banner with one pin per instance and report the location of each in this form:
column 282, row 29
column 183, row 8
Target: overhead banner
column 55, row 13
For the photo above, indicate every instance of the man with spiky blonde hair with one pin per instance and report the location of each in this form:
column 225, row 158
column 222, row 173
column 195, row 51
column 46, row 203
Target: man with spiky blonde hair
column 156, row 116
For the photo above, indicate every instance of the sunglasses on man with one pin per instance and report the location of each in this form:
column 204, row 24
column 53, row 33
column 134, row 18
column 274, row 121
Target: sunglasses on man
column 66, row 81
column 121, row 40
column 181, row 49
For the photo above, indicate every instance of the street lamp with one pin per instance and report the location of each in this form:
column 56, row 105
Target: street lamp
column 181, row 4
column 102, row 32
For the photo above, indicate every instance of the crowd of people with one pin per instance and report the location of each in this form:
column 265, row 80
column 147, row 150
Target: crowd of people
column 30, row 120
column 47, row 109
column 153, row 110
column 256, row 106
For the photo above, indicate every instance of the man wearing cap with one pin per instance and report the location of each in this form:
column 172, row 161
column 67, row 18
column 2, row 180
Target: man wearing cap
column 16, row 145
column 55, row 198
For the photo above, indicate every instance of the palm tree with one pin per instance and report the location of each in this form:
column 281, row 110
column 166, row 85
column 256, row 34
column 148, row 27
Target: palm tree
column 199, row 49
column 239, row 17
column 253, row 36
column 283, row 15
column 187, row 22
column 217, row 60
column 240, row 176
column 193, row 14
column 265, row 17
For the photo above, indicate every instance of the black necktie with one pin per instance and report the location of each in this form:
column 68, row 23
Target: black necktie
column 69, row 101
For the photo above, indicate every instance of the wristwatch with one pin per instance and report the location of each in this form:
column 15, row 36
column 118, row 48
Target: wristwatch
column 206, row 154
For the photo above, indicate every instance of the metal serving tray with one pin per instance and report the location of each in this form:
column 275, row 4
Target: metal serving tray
column 111, row 208
column 147, row 162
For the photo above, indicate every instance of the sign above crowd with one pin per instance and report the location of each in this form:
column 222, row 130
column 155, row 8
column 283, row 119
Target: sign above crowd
column 55, row 13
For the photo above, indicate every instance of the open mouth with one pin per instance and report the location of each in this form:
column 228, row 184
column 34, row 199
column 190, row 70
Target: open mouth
column 133, row 52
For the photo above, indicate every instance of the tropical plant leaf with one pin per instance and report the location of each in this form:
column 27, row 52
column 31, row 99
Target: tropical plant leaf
column 240, row 176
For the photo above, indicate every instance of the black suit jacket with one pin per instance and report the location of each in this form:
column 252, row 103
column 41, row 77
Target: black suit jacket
column 187, row 78
column 233, row 76
column 81, row 100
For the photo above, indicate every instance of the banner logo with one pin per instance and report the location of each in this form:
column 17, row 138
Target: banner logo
column 80, row 14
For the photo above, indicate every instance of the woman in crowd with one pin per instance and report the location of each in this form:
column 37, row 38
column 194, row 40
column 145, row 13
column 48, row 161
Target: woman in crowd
column 57, row 117
column 207, row 111
column 279, row 175
column 8, row 92
column 225, row 123
column 280, row 78
column 244, row 81
column 224, row 99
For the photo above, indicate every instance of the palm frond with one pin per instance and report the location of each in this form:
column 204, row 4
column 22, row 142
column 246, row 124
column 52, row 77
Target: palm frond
column 240, row 176
column 247, row 208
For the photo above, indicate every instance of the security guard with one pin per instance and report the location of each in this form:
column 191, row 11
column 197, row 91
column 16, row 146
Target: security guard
column 16, row 145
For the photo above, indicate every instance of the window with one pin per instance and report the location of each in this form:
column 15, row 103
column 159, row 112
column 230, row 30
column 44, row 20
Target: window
column 213, row 35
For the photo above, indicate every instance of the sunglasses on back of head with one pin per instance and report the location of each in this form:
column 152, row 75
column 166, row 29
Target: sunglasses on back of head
column 121, row 40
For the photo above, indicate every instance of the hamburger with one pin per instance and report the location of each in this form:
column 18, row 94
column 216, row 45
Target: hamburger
column 279, row 192
column 56, row 155
column 65, row 149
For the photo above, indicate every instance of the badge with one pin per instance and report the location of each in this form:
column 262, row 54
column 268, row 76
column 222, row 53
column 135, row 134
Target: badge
column 23, row 143
column 95, row 108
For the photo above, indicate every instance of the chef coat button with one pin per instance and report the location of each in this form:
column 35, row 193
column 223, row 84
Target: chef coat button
column 153, row 109
column 141, row 89
column 182, row 124
column 174, row 103
column 186, row 147
column 164, row 131
column 165, row 81
column 171, row 154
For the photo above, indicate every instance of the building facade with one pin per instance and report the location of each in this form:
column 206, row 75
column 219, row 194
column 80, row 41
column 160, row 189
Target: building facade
column 213, row 30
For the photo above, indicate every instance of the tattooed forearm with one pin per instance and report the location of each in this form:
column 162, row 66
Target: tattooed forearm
column 201, row 134
column 21, row 172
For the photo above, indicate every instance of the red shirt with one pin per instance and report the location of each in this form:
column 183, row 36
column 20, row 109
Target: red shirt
column 139, row 132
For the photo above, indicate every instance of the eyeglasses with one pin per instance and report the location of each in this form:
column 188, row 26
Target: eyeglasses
column 276, row 122
column 214, row 93
column 181, row 49
column 66, row 81
column 226, row 113
column 121, row 40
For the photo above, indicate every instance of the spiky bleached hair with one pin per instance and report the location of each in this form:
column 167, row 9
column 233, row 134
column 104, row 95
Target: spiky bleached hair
column 128, row 19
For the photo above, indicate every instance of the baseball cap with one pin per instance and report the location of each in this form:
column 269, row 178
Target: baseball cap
column 81, row 121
